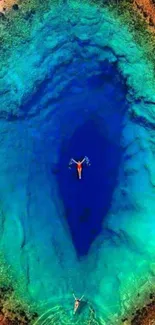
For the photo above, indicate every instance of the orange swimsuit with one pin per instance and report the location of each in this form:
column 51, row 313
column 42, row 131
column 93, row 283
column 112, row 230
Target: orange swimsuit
column 79, row 168
column 76, row 305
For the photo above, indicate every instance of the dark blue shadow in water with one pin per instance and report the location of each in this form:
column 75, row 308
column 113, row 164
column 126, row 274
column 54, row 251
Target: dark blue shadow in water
column 88, row 200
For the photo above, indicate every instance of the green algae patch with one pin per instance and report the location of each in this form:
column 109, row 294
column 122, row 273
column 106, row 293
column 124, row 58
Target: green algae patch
column 14, row 307
column 16, row 25
column 124, row 11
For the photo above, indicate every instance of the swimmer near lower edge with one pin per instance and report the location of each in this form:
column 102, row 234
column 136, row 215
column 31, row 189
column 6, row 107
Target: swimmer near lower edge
column 81, row 312
column 79, row 165
column 77, row 303
column 80, row 304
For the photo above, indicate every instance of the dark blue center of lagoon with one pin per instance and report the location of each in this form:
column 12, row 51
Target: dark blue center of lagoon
column 87, row 201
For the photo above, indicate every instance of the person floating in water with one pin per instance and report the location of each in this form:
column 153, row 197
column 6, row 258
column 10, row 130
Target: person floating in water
column 79, row 165
column 77, row 303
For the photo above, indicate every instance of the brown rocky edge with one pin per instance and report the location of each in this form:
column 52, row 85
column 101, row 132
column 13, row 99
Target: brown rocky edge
column 147, row 9
column 13, row 313
column 6, row 5
column 143, row 316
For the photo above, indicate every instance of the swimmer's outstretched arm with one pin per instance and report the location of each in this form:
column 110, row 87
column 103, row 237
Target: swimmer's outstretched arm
column 83, row 160
column 81, row 298
column 86, row 159
column 72, row 161
column 74, row 296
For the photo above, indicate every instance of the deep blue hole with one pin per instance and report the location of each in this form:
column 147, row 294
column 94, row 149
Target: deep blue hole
column 87, row 201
